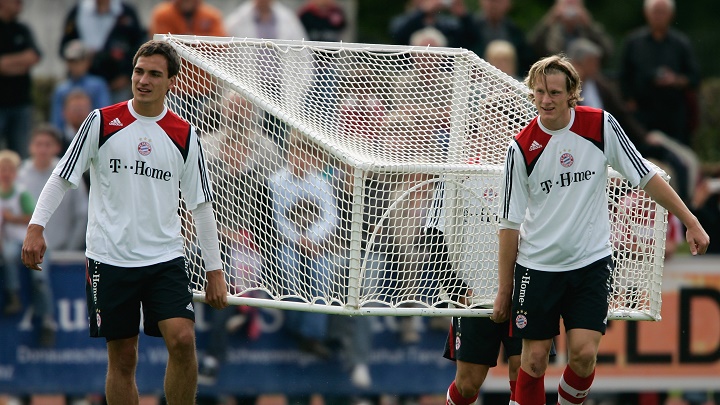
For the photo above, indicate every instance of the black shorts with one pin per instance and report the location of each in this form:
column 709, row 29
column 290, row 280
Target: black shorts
column 477, row 340
column 439, row 266
column 114, row 296
column 579, row 296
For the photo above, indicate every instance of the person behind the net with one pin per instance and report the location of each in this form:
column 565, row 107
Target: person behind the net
column 473, row 343
column 139, row 155
column 555, row 230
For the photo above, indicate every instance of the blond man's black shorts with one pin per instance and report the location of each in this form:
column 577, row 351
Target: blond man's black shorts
column 580, row 297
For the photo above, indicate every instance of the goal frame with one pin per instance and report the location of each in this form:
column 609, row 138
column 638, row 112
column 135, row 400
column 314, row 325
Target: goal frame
column 360, row 167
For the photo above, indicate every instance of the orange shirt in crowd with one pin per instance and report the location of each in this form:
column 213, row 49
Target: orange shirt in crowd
column 206, row 21
column 167, row 18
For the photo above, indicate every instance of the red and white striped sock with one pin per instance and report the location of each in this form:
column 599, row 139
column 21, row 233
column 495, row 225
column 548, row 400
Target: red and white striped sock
column 574, row 389
column 454, row 397
column 512, row 392
column 530, row 390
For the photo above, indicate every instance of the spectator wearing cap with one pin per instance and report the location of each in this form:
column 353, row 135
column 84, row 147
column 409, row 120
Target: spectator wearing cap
column 111, row 31
column 78, row 61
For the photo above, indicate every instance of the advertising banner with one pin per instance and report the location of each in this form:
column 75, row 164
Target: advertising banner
column 268, row 363
column 680, row 352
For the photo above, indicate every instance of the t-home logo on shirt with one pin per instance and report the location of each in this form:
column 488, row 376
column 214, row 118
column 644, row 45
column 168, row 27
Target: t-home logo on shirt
column 140, row 168
column 566, row 179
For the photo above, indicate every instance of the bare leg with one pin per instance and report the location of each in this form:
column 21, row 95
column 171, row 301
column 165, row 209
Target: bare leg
column 182, row 367
column 469, row 377
column 535, row 356
column 120, row 385
column 583, row 347
column 579, row 374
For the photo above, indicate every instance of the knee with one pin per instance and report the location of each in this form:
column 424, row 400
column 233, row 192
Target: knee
column 536, row 361
column 181, row 342
column 583, row 359
column 123, row 359
column 125, row 365
column 467, row 387
column 469, row 381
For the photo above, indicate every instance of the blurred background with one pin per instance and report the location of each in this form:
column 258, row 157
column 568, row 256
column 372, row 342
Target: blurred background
column 675, row 361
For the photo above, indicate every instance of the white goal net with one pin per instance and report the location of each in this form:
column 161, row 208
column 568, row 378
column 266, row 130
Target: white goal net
column 363, row 179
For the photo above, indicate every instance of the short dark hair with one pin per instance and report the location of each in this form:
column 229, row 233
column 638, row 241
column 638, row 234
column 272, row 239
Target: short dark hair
column 47, row 129
column 76, row 93
column 163, row 48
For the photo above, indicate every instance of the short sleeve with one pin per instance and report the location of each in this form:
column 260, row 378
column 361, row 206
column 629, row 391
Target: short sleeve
column 515, row 192
column 195, row 182
column 82, row 150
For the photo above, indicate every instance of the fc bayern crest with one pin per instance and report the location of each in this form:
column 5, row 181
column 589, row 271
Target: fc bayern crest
column 489, row 194
column 144, row 148
column 521, row 321
column 98, row 319
column 566, row 159
column 457, row 343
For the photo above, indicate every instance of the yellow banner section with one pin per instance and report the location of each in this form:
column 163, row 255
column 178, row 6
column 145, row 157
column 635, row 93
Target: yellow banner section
column 682, row 351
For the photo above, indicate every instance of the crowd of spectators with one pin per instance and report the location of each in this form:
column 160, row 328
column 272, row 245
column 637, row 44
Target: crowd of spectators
column 654, row 97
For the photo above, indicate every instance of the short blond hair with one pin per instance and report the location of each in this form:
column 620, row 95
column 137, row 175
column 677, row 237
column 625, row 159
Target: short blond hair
column 500, row 47
column 10, row 156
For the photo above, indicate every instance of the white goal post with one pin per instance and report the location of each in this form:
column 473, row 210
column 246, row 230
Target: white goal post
column 363, row 179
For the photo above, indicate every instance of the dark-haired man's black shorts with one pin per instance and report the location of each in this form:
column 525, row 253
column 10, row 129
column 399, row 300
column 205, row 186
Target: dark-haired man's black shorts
column 580, row 297
column 114, row 296
column 477, row 340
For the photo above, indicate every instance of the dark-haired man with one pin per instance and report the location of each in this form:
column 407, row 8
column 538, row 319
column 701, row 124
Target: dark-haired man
column 139, row 154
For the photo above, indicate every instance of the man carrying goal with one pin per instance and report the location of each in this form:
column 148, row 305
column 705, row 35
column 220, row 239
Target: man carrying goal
column 139, row 154
column 555, row 257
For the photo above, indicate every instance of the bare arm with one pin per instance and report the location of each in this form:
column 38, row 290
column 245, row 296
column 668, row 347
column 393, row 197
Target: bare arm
column 507, row 254
column 19, row 63
column 663, row 194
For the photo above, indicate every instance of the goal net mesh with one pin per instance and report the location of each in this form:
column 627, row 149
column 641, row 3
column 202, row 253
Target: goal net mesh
column 364, row 179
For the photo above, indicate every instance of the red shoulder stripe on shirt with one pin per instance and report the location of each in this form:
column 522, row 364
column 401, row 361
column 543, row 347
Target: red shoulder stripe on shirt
column 589, row 124
column 532, row 142
column 113, row 119
column 178, row 130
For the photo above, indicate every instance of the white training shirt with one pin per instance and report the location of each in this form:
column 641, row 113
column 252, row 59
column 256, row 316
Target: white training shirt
column 474, row 233
column 138, row 166
column 554, row 186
